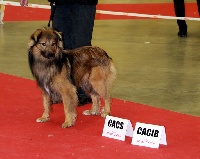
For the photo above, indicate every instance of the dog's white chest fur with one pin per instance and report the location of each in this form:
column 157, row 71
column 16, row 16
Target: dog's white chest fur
column 46, row 88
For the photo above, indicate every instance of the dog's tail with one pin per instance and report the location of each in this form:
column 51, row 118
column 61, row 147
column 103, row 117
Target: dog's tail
column 113, row 73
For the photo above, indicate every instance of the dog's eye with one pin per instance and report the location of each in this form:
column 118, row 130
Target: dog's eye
column 43, row 44
column 53, row 44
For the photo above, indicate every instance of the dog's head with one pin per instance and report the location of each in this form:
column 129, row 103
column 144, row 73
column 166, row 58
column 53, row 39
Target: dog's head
column 46, row 42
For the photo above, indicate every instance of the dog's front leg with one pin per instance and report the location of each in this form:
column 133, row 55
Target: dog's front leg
column 47, row 105
column 70, row 101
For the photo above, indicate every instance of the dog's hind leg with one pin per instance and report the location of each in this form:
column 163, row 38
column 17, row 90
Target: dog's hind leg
column 106, row 109
column 95, row 106
column 111, row 75
column 47, row 105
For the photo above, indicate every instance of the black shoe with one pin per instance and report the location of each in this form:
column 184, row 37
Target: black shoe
column 182, row 33
column 84, row 100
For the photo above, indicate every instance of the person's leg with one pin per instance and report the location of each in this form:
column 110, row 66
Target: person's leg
column 198, row 4
column 83, row 23
column 82, row 29
column 63, row 23
column 179, row 8
column 2, row 9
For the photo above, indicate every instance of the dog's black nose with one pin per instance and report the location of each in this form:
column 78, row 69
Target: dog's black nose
column 50, row 55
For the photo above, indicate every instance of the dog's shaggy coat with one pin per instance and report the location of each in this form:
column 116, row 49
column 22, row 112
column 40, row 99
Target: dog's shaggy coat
column 89, row 68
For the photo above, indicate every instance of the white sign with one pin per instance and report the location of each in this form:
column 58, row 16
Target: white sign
column 149, row 135
column 117, row 128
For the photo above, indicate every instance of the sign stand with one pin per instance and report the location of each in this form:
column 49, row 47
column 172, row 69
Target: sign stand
column 117, row 128
column 149, row 135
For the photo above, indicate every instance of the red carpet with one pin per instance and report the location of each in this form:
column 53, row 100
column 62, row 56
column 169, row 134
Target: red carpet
column 31, row 14
column 22, row 138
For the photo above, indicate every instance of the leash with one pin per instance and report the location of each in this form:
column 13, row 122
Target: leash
column 53, row 8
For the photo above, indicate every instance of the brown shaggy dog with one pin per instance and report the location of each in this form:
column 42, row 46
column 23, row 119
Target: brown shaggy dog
column 91, row 69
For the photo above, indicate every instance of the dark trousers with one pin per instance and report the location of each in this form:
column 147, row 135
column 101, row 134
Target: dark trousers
column 76, row 23
column 179, row 8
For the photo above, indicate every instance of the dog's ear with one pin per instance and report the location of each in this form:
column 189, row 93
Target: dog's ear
column 59, row 36
column 35, row 37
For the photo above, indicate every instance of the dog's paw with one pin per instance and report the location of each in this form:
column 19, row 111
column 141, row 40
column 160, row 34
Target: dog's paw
column 67, row 124
column 104, row 114
column 90, row 112
column 41, row 120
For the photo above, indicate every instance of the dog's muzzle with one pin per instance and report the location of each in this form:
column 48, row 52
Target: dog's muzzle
column 48, row 55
